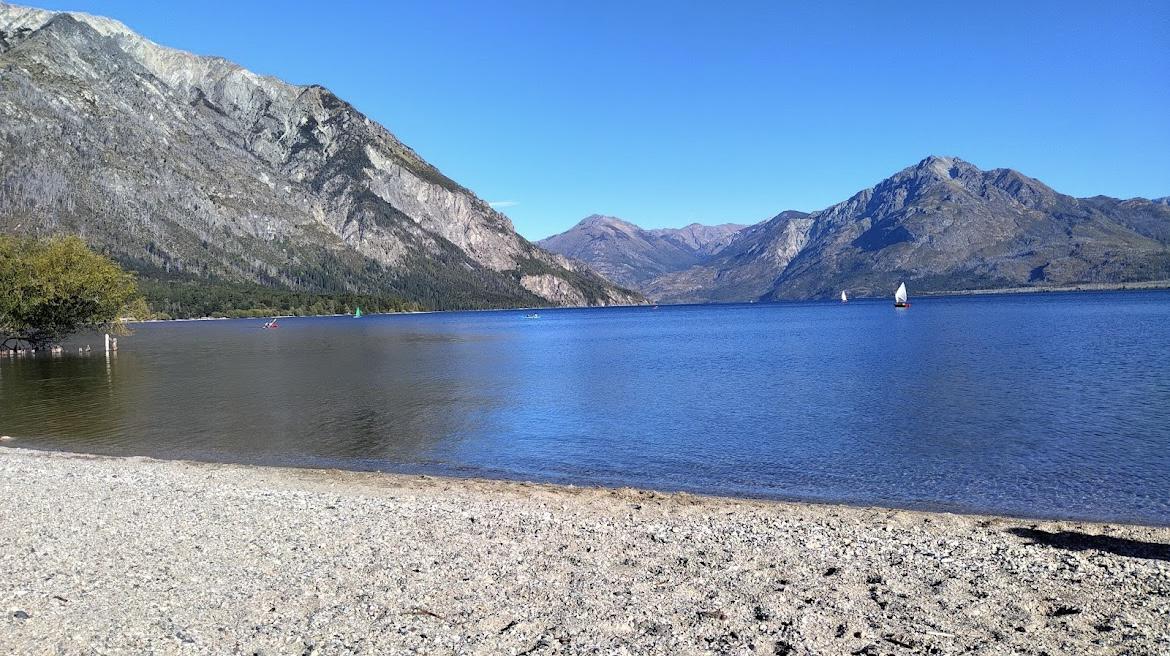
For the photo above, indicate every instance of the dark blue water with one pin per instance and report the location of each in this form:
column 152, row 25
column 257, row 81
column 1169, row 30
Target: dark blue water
column 1037, row 405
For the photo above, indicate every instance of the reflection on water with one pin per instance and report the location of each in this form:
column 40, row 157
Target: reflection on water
column 71, row 397
column 1037, row 405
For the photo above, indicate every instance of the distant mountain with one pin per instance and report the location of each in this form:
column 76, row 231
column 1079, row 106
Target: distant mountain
column 629, row 255
column 942, row 224
column 190, row 168
column 742, row 270
column 705, row 240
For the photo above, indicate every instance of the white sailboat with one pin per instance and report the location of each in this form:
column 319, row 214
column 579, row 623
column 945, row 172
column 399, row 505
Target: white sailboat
column 900, row 297
column 844, row 298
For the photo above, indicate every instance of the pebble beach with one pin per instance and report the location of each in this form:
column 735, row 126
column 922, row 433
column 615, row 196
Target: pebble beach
column 104, row 555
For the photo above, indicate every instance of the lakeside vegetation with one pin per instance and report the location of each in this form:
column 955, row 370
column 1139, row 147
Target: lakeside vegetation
column 52, row 288
column 187, row 299
column 422, row 285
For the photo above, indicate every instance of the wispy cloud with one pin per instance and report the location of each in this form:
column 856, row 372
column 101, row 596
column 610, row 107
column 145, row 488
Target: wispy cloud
column 501, row 204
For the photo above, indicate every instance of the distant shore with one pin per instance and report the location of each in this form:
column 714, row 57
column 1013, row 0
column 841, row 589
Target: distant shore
column 322, row 316
column 1085, row 287
column 134, row 555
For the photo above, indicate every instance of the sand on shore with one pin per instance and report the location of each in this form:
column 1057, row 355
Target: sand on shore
column 130, row 556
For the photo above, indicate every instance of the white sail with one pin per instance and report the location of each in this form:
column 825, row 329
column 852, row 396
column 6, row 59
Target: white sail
column 844, row 298
column 900, row 295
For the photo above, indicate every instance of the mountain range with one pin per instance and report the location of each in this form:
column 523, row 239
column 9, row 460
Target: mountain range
column 942, row 224
column 629, row 255
column 191, row 169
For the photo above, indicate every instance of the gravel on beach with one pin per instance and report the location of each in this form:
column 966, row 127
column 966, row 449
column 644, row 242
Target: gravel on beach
column 135, row 556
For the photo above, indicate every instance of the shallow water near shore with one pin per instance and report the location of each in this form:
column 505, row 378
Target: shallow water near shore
column 1049, row 405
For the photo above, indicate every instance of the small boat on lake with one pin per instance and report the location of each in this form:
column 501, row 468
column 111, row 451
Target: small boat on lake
column 900, row 297
column 844, row 298
column 357, row 314
column 269, row 325
column 532, row 316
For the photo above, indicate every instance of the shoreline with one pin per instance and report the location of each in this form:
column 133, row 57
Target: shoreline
column 1152, row 285
column 406, row 474
column 504, row 485
column 104, row 553
column 1084, row 287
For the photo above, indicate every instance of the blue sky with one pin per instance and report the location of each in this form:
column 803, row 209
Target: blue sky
column 664, row 113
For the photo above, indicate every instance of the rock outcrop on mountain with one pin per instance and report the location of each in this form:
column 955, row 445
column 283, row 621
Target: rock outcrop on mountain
column 629, row 255
column 941, row 225
column 193, row 168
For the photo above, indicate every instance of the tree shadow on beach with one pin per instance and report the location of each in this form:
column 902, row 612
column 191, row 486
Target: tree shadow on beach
column 1076, row 541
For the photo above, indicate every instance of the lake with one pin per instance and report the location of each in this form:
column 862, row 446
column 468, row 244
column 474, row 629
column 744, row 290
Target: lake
column 1045, row 405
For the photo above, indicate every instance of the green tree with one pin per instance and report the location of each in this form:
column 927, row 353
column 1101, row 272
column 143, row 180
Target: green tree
column 52, row 288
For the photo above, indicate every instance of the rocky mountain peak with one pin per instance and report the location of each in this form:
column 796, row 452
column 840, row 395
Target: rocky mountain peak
column 599, row 224
column 704, row 229
column 601, row 219
column 788, row 215
column 951, row 177
column 704, row 240
column 16, row 17
column 936, row 168
column 943, row 166
column 176, row 67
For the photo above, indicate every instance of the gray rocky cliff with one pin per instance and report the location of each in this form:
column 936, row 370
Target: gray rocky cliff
column 190, row 166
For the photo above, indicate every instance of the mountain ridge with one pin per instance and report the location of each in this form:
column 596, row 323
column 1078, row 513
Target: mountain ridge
column 948, row 225
column 629, row 255
column 942, row 224
column 191, row 167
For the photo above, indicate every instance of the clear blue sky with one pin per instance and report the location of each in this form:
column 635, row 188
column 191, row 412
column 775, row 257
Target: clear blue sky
column 665, row 113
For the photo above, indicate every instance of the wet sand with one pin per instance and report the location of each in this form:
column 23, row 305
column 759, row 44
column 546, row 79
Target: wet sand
column 129, row 555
